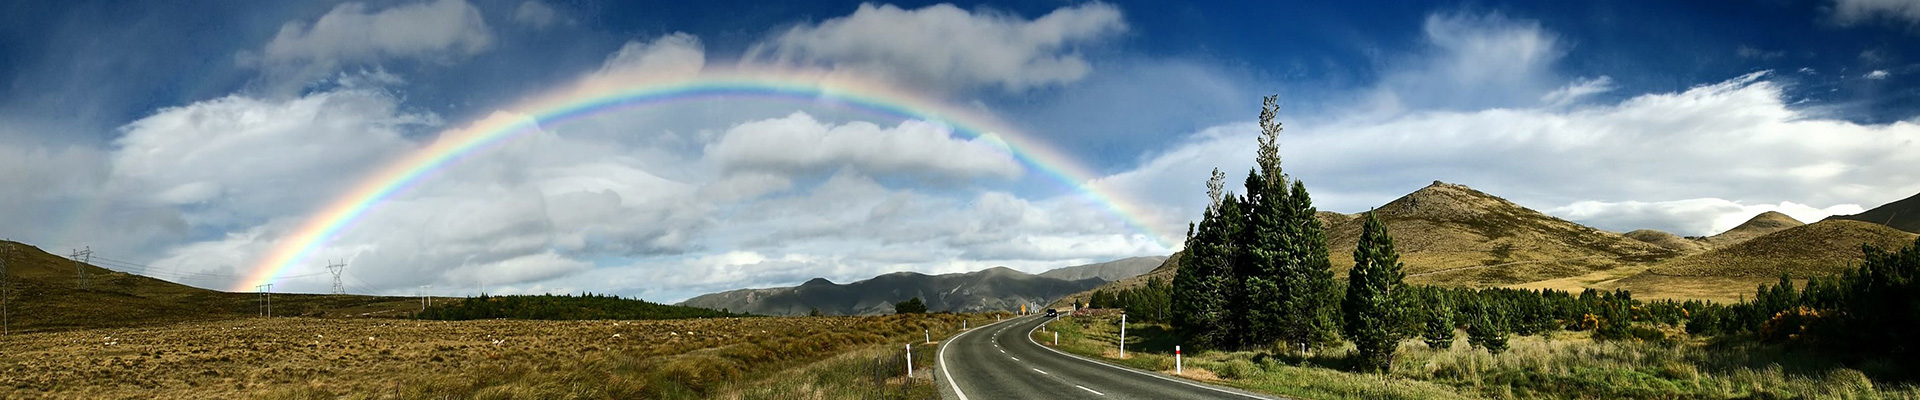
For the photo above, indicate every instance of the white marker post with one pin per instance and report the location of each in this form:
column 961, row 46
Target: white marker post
column 1176, row 359
column 1056, row 338
column 928, row 333
column 1123, row 336
column 909, row 360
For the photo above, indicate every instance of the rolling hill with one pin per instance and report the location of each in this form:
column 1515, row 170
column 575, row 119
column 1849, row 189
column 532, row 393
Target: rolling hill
column 1107, row 271
column 1760, row 225
column 1903, row 215
column 997, row 288
column 1668, row 241
column 1451, row 234
column 1168, row 266
column 44, row 295
column 1824, row 247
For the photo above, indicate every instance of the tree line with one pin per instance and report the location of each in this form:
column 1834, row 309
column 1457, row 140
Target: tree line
column 1869, row 311
column 562, row 307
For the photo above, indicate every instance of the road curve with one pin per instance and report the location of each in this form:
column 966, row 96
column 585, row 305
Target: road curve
column 1001, row 361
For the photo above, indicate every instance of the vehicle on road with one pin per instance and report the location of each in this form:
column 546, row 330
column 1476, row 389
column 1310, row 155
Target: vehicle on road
column 1051, row 313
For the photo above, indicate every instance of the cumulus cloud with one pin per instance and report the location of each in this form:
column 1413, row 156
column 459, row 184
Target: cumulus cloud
column 535, row 14
column 948, row 47
column 801, row 143
column 1693, row 160
column 238, row 157
column 1474, row 62
column 353, row 33
column 1877, row 74
column 1857, row 11
column 676, row 54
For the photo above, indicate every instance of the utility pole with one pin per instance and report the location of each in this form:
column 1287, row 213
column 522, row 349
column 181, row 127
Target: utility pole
column 266, row 299
column 424, row 300
column 336, row 268
column 80, row 260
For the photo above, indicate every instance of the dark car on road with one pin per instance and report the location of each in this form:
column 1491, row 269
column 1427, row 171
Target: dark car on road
column 1051, row 313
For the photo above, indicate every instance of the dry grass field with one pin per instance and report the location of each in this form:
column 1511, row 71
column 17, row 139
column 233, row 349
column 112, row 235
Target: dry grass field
column 393, row 358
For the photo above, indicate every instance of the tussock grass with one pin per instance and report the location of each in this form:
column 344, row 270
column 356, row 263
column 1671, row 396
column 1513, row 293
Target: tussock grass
column 1561, row 365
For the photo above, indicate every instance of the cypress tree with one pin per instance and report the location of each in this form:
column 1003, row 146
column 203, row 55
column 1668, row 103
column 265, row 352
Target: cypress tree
column 1202, row 287
column 1372, row 312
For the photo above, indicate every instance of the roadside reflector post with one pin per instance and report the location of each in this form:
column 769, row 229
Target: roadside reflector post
column 1056, row 338
column 1176, row 359
column 909, row 360
column 928, row 333
column 1123, row 335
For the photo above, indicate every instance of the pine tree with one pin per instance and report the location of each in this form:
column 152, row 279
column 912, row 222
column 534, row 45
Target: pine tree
column 1202, row 287
column 1488, row 329
column 1312, row 293
column 1372, row 312
column 1439, row 325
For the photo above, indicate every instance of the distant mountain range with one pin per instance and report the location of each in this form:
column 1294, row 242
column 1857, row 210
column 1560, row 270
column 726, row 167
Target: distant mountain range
column 998, row 288
column 1108, row 271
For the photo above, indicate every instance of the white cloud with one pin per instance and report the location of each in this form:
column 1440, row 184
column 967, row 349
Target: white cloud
column 1477, row 62
column 800, row 143
column 1688, row 161
column 948, row 47
column 1692, row 217
column 535, row 14
column 1576, row 91
column 241, row 158
column 1856, row 11
column 352, row 33
column 1877, row 74
column 676, row 54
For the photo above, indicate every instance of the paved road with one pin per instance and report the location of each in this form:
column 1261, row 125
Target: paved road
column 1000, row 361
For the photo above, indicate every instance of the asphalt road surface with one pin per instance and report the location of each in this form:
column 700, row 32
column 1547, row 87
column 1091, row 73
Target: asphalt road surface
column 1000, row 361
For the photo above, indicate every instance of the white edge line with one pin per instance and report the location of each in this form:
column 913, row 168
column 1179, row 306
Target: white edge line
column 1041, row 372
column 1089, row 390
column 1155, row 376
column 943, row 358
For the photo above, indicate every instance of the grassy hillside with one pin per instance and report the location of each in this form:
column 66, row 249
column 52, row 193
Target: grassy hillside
column 1760, row 225
column 1454, row 235
column 1903, row 215
column 1822, row 248
column 1668, row 241
column 45, row 296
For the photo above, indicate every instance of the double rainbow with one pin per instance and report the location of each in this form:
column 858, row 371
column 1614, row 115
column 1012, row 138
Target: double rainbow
column 598, row 96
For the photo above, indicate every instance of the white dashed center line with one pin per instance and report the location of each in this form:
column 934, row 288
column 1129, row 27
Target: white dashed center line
column 1089, row 390
column 1041, row 372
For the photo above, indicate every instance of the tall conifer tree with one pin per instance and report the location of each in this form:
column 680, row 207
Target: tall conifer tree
column 1372, row 307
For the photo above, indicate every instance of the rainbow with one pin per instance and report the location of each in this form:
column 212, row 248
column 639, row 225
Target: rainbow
column 597, row 96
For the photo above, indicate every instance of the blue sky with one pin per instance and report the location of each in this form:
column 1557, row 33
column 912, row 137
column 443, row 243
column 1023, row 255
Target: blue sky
column 187, row 140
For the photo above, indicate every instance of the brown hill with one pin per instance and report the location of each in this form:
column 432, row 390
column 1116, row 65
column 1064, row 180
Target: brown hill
column 1452, row 234
column 1759, row 225
column 44, row 294
column 992, row 289
column 1668, row 241
column 1164, row 273
column 1903, row 215
column 1824, row 247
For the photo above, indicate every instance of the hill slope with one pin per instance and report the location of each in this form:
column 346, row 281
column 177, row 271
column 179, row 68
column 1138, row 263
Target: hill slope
column 1168, row 266
column 45, row 296
column 1668, row 241
column 1820, row 248
column 1452, row 234
column 1107, row 271
column 1759, row 225
column 997, row 288
column 1903, row 215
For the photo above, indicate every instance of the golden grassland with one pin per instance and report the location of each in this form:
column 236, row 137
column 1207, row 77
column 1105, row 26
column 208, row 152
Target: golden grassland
column 312, row 358
column 1560, row 365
